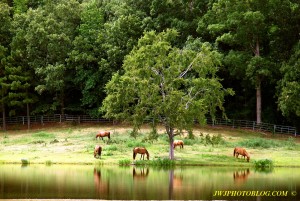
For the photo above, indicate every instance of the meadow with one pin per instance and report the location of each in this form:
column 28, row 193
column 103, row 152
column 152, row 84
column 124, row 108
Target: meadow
column 211, row 146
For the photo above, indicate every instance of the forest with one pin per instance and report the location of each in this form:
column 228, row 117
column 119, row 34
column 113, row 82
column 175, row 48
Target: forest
column 58, row 55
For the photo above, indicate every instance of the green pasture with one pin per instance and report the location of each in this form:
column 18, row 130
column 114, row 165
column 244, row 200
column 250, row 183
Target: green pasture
column 210, row 146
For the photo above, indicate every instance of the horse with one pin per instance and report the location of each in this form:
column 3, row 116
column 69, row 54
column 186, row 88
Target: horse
column 97, row 151
column 103, row 134
column 241, row 176
column 241, row 151
column 142, row 151
column 141, row 175
column 178, row 143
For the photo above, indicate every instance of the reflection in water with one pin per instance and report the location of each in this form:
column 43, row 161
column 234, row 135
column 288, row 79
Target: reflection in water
column 175, row 183
column 141, row 174
column 140, row 183
column 101, row 186
column 241, row 176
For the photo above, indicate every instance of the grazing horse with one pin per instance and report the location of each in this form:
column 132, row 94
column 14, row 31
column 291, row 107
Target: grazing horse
column 103, row 134
column 178, row 143
column 140, row 150
column 97, row 151
column 241, row 151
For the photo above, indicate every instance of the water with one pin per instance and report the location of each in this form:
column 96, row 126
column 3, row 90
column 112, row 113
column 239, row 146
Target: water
column 136, row 183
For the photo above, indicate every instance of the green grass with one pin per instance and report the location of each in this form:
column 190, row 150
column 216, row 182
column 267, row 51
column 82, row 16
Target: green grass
column 208, row 147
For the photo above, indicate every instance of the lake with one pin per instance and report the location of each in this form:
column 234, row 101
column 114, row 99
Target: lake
column 136, row 183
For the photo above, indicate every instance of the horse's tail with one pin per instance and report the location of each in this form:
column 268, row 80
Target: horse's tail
column 134, row 154
column 182, row 144
column 99, row 151
column 234, row 151
column 148, row 155
column 108, row 135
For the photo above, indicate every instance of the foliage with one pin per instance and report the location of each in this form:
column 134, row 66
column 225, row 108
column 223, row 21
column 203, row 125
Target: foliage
column 124, row 162
column 289, row 87
column 263, row 163
column 58, row 56
column 167, row 84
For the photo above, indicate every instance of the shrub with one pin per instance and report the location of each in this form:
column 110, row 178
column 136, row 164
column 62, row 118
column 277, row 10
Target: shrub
column 25, row 161
column 263, row 163
column 111, row 148
column 48, row 162
column 124, row 162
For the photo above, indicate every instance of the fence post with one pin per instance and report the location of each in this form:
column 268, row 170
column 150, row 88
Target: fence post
column 253, row 125
column 274, row 129
column 79, row 119
column 23, row 120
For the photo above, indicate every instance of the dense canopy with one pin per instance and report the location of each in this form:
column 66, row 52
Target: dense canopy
column 58, row 56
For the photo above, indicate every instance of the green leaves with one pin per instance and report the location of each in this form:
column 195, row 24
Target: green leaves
column 166, row 83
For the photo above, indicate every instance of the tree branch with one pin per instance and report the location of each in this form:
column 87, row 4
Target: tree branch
column 190, row 66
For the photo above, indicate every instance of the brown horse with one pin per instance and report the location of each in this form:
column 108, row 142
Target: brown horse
column 142, row 151
column 97, row 151
column 178, row 143
column 103, row 134
column 241, row 151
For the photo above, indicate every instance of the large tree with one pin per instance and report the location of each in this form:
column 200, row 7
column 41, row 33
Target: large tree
column 289, row 93
column 5, row 38
column 170, row 85
column 255, row 36
column 49, row 36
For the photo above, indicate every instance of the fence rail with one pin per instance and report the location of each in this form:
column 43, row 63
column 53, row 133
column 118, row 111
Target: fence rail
column 243, row 124
column 265, row 127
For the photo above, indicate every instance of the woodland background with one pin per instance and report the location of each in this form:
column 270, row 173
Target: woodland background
column 57, row 55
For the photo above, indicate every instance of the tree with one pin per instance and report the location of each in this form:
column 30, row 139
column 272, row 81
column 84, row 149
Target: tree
column 289, row 97
column 252, row 34
column 50, row 33
column 5, row 38
column 171, row 85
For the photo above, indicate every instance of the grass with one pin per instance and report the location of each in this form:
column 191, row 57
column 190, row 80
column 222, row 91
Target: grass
column 210, row 146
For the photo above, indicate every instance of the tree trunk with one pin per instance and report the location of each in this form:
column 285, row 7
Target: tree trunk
column 170, row 132
column 258, row 88
column 258, row 101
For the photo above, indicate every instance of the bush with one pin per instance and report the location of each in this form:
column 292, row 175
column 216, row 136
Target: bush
column 124, row 162
column 165, row 162
column 213, row 140
column 111, row 148
column 263, row 163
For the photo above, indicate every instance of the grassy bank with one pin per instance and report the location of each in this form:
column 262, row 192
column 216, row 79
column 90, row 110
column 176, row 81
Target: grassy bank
column 66, row 144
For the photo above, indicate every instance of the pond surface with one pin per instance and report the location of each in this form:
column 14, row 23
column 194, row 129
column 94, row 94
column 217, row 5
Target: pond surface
column 136, row 183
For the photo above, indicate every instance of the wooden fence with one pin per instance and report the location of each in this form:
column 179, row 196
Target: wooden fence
column 243, row 124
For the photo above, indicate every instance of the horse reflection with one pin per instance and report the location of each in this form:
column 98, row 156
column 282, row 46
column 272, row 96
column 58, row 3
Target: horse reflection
column 101, row 186
column 241, row 176
column 141, row 175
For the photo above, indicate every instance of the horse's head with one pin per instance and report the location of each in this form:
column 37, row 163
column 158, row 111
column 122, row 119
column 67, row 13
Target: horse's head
column 248, row 158
column 97, row 151
column 148, row 155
